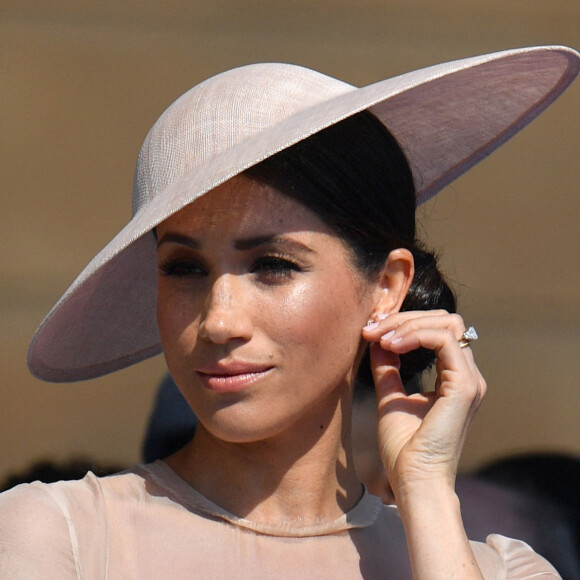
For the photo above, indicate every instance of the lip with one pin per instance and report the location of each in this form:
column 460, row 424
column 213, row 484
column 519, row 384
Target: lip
column 232, row 377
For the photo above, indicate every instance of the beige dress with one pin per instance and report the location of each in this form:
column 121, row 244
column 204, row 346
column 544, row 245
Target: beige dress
column 148, row 523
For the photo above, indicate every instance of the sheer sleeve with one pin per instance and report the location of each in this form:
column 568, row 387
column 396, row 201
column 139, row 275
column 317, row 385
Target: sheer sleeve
column 34, row 537
column 515, row 559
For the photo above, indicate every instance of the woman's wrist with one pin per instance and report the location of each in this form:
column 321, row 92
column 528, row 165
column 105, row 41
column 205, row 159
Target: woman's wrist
column 429, row 502
column 438, row 545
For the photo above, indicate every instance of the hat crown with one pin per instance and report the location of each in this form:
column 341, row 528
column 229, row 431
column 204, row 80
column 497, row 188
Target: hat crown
column 221, row 113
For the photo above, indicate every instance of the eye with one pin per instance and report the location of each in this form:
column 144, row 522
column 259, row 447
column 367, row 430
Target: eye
column 275, row 267
column 181, row 268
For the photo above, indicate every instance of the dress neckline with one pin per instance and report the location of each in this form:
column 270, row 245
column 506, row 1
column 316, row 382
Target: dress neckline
column 362, row 515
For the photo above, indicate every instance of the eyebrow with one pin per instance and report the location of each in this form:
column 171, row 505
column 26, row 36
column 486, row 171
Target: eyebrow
column 272, row 240
column 179, row 239
column 243, row 244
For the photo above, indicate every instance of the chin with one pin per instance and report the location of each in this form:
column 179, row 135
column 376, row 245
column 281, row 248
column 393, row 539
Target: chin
column 243, row 428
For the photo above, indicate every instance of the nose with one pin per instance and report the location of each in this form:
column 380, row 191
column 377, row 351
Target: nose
column 226, row 315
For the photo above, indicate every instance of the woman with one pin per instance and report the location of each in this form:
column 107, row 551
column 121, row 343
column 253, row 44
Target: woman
column 273, row 235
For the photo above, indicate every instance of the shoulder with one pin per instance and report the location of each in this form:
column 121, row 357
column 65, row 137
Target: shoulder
column 514, row 559
column 34, row 535
column 61, row 526
column 27, row 506
column 60, row 500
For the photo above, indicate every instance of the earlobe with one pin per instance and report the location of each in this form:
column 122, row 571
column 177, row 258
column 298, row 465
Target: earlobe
column 394, row 282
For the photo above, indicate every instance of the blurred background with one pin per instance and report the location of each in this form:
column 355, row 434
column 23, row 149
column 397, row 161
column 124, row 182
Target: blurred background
column 82, row 82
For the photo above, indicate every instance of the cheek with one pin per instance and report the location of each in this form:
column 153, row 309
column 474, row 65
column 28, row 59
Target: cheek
column 177, row 319
column 324, row 319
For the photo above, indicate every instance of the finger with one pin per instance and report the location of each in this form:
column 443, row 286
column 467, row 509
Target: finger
column 398, row 416
column 385, row 368
column 409, row 323
column 441, row 340
column 413, row 319
column 438, row 331
column 457, row 371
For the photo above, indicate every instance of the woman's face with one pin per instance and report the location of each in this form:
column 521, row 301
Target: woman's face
column 259, row 309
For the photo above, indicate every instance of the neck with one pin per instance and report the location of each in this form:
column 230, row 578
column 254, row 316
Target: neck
column 302, row 476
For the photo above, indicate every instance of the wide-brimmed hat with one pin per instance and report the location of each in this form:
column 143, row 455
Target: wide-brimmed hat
column 446, row 118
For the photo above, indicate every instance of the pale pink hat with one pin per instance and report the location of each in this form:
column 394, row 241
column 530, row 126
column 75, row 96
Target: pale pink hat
column 446, row 118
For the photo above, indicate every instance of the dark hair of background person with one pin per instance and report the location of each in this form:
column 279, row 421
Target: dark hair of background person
column 492, row 507
column 554, row 476
column 355, row 177
column 49, row 471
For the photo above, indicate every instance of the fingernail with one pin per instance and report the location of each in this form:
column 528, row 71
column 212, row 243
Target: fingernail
column 382, row 316
column 371, row 325
column 388, row 335
column 396, row 340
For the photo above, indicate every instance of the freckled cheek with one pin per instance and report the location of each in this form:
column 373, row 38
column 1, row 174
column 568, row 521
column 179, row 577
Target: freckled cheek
column 177, row 318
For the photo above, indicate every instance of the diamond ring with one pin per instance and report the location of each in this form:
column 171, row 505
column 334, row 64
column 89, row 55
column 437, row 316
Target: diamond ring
column 469, row 336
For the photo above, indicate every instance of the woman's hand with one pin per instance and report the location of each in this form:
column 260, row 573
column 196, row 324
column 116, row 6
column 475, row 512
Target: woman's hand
column 421, row 436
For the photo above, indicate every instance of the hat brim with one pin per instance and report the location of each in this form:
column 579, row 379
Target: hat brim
column 446, row 118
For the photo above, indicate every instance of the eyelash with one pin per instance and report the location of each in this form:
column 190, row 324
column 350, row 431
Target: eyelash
column 180, row 268
column 265, row 267
column 275, row 266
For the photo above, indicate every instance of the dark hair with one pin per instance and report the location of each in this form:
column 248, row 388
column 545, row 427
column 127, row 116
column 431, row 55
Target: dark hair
column 49, row 471
column 551, row 476
column 356, row 178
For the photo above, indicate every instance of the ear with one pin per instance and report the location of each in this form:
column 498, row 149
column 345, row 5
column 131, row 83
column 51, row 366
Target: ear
column 395, row 281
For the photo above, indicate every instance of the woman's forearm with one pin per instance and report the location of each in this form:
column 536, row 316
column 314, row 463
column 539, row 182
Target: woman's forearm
column 437, row 542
